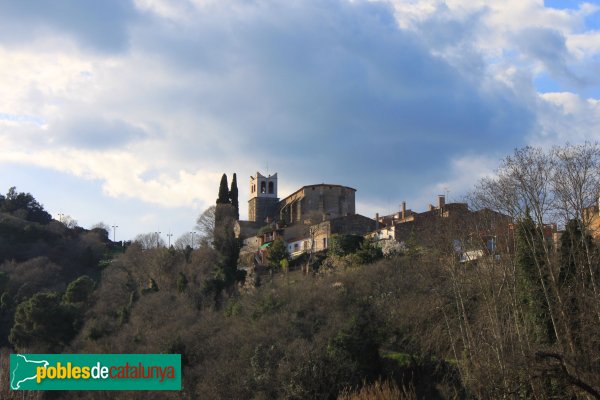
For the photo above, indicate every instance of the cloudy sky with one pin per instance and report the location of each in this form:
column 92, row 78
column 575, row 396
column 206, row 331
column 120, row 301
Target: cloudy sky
column 128, row 112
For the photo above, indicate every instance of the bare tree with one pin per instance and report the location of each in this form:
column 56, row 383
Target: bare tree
column 190, row 239
column 150, row 240
column 576, row 181
column 69, row 222
column 205, row 225
column 101, row 225
column 559, row 186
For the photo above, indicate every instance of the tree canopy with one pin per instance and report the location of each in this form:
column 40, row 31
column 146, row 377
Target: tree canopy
column 24, row 205
column 233, row 196
column 223, row 191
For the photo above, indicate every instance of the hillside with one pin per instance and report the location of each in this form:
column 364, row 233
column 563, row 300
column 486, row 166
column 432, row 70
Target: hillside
column 40, row 256
column 516, row 319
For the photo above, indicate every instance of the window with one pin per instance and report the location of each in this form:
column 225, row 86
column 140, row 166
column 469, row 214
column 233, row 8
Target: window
column 296, row 246
column 271, row 188
column 324, row 243
column 263, row 187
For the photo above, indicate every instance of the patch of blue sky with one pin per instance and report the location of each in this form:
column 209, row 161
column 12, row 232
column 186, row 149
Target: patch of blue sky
column 592, row 21
column 591, row 92
column 563, row 4
column 33, row 119
column 545, row 84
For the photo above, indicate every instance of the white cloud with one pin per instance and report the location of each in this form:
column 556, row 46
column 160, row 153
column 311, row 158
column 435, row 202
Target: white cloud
column 163, row 8
column 502, row 31
column 567, row 117
column 33, row 80
column 584, row 46
column 464, row 172
column 317, row 89
column 122, row 175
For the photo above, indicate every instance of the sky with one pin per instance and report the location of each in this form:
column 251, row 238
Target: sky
column 128, row 112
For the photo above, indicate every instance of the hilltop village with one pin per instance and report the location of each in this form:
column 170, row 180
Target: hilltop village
column 308, row 218
column 479, row 300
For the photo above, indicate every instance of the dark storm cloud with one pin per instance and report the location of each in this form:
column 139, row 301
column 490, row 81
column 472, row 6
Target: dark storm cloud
column 549, row 47
column 334, row 91
column 322, row 90
column 96, row 133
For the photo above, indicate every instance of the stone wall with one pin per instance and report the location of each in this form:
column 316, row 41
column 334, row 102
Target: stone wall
column 315, row 203
column 259, row 208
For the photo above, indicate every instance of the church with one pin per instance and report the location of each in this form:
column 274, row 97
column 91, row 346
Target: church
column 305, row 219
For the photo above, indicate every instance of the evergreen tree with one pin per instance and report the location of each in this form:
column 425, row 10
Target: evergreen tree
column 225, row 242
column 44, row 322
column 277, row 252
column 233, row 196
column 573, row 259
column 529, row 262
column 25, row 206
column 574, row 247
column 341, row 245
column 79, row 290
column 182, row 282
column 223, row 191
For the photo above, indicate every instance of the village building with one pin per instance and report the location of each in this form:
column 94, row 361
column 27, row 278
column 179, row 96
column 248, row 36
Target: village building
column 305, row 219
column 308, row 218
column 591, row 220
column 471, row 234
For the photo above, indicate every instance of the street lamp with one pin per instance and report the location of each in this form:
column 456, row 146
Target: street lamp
column 157, row 237
column 115, row 232
column 169, row 236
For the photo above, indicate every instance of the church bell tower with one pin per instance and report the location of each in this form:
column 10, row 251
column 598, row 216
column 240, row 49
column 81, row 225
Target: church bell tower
column 263, row 197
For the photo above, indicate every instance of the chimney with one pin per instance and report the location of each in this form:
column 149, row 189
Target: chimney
column 376, row 221
column 403, row 211
column 441, row 201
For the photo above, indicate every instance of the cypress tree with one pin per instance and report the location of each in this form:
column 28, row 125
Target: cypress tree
column 223, row 191
column 225, row 242
column 233, row 196
column 574, row 245
column 529, row 259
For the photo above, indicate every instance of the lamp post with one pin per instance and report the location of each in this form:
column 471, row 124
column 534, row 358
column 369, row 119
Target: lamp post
column 169, row 236
column 157, row 238
column 114, row 232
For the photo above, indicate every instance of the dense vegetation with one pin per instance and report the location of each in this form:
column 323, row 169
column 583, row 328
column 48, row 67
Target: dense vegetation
column 519, row 322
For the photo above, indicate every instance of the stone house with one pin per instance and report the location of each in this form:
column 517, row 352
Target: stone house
column 305, row 219
column 462, row 230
